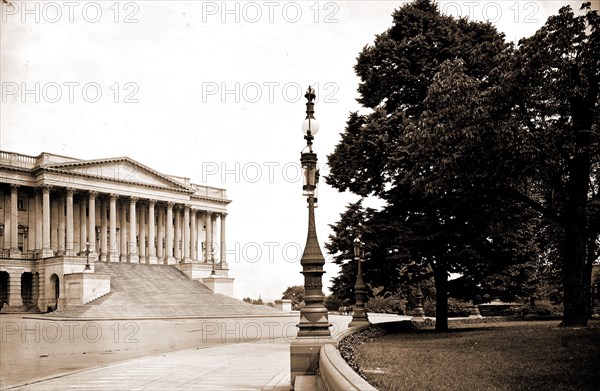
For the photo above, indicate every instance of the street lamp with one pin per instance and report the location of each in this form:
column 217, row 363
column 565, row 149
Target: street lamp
column 87, row 256
column 314, row 318
column 359, row 314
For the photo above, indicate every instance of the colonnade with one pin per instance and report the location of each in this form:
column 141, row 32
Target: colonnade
column 64, row 221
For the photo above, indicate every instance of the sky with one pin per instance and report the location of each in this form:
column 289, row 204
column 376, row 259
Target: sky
column 212, row 91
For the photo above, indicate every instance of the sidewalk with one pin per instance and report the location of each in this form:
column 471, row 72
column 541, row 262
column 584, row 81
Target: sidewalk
column 262, row 365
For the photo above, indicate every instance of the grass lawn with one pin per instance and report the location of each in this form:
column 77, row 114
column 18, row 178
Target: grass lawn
column 496, row 356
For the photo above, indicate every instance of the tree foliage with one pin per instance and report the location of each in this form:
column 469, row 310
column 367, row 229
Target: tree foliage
column 296, row 295
column 486, row 155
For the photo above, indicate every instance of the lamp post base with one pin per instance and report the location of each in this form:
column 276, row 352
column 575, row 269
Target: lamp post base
column 359, row 321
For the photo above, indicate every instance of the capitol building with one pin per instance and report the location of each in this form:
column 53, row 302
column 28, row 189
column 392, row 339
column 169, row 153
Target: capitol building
column 60, row 215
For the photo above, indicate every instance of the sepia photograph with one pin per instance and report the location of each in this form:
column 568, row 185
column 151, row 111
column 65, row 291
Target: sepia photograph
column 300, row 195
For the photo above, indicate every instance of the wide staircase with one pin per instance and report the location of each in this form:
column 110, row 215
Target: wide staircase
column 158, row 291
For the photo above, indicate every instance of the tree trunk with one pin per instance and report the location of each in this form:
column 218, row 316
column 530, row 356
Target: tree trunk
column 574, row 247
column 575, row 312
column 591, row 257
column 441, row 297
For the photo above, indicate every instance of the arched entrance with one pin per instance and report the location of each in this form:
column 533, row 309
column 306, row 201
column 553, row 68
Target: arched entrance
column 55, row 289
column 27, row 288
column 4, row 287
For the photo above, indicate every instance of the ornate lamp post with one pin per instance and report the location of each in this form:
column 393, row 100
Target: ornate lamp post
column 87, row 253
column 313, row 328
column 418, row 312
column 359, row 314
column 314, row 318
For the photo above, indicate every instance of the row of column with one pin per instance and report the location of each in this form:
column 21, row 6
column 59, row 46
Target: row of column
column 157, row 235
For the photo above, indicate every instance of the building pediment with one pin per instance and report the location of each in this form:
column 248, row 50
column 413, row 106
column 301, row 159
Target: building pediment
column 124, row 170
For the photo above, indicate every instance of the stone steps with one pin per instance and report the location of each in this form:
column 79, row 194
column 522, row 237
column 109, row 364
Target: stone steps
column 161, row 291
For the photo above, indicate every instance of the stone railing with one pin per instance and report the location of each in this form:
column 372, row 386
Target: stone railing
column 28, row 255
column 17, row 160
column 207, row 191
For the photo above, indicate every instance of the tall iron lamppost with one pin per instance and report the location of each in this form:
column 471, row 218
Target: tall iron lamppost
column 359, row 314
column 313, row 328
column 314, row 318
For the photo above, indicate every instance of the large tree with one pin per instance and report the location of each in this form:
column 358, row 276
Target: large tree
column 475, row 145
column 405, row 77
column 552, row 92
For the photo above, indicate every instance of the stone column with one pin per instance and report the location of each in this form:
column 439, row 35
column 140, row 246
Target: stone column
column 41, row 301
column 83, row 236
column 223, row 248
column 14, row 223
column 46, row 250
column 92, row 221
column 169, row 240
column 133, row 252
column 14, row 288
column 61, row 224
column 54, row 225
column 31, row 220
column 194, row 235
column 112, row 237
column 103, row 233
column 177, row 232
column 208, row 242
column 123, row 257
column 151, row 232
column 160, row 247
column 38, row 221
column 35, row 288
column 69, row 249
column 142, row 234
column 186, row 234
column 76, row 226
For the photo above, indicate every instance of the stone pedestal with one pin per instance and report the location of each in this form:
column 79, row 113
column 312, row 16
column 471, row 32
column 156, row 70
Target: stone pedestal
column 222, row 285
column 81, row 288
column 284, row 305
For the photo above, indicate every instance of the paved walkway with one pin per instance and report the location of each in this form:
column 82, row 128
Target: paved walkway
column 262, row 365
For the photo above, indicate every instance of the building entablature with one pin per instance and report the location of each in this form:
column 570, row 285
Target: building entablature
column 121, row 176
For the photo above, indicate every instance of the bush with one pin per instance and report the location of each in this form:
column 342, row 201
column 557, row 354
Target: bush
column 386, row 305
column 547, row 308
column 333, row 303
column 458, row 308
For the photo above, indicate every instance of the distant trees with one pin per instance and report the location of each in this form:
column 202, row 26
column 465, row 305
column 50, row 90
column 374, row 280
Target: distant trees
column 296, row 295
column 253, row 301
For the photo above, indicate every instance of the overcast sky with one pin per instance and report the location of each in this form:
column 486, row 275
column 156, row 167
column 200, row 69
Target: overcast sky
column 208, row 90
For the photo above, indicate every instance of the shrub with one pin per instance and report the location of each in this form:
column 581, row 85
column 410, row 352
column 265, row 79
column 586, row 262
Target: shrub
column 387, row 305
column 547, row 308
column 458, row 308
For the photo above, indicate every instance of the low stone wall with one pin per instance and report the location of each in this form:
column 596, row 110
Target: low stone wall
column 334, row 373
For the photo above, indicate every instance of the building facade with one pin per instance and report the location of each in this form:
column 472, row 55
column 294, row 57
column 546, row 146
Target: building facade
column 58, row 215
